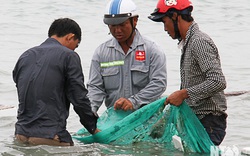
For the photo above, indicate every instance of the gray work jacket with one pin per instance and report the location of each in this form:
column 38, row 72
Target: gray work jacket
column 140, row 75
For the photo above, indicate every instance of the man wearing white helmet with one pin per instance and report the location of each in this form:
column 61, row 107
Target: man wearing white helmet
column 129, row 70
column 202, row 79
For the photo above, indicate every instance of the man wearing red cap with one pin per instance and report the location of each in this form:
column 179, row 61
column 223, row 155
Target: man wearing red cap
column 202, row 79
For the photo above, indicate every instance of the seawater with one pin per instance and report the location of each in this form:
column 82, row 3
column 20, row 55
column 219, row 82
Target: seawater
column 24, row 24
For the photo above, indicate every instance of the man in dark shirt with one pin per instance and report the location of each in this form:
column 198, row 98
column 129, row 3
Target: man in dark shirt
column 48, row 78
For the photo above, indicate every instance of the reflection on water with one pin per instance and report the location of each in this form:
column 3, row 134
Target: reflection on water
column 138, row 149
column 17, row 149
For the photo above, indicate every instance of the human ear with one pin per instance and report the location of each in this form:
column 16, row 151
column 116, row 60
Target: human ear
column 135, row 19
column 70, row 36
column 175, row 16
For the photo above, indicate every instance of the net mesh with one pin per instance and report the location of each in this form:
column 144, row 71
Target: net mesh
column 152, row 123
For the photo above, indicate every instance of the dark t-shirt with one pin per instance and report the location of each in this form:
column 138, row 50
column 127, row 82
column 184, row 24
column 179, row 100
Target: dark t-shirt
column 48, row 78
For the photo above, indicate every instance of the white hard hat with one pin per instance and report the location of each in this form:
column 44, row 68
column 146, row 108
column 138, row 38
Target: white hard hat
column 118, row 11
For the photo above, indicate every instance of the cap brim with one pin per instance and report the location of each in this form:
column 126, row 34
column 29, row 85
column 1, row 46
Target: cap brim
column 115, row 21
column 157, row 17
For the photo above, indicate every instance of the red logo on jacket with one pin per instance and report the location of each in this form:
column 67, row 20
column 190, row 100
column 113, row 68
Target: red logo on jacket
column 140, row 55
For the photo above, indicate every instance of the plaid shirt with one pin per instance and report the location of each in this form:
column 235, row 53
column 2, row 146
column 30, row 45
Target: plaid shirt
column 201, row 74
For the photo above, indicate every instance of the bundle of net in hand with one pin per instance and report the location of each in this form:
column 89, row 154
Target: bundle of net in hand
column 152, row 123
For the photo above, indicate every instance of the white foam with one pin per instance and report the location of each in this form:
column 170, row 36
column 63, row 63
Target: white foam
column 246, row 150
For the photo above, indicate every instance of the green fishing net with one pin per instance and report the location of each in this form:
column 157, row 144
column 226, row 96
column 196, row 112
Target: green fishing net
column 152, row 123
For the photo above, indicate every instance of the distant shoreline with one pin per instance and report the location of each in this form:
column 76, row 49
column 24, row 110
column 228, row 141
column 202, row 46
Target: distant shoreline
column 2, row 107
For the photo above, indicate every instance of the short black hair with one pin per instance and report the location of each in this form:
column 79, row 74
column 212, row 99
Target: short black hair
column 185, row 14
column 64, row 26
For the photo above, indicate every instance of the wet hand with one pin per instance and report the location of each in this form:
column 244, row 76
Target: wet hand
column 123, row 104
column 97, row 130
column 177, row 97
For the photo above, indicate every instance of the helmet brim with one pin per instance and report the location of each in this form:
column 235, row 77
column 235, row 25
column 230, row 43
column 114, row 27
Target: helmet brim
column 115, row 21
column 156, row 17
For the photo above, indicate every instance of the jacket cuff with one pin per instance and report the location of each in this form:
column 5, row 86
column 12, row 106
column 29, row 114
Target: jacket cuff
column 94, row 110
column 94, row 126
column 133, row 101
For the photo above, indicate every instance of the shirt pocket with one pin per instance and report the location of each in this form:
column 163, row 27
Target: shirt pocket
column 140, row 75
column 111, row 77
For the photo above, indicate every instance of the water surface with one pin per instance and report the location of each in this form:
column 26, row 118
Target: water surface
column 24, row 24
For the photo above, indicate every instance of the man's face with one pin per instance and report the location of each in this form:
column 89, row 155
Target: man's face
column 169, row 26
column 121, row 31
